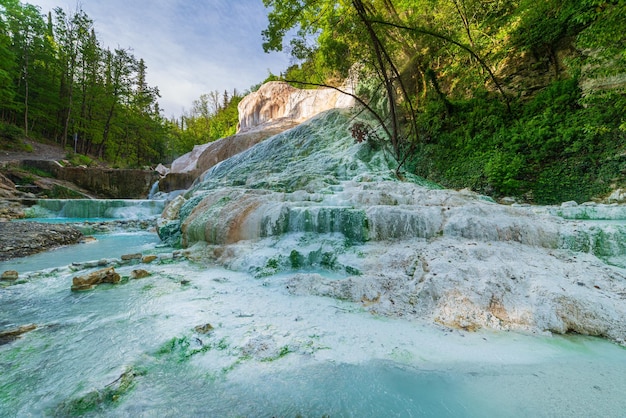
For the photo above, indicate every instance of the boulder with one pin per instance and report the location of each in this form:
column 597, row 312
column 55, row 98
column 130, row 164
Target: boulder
column 12, row 334
column 91, row 280
column 139, row 274
column 162, row 170
column 9, row 275
column 130, row 257
column 148, row 259
column 204, row 329
column 617, row 196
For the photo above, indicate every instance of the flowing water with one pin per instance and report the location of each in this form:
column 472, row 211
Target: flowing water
column 96, row 208
column 132, row 349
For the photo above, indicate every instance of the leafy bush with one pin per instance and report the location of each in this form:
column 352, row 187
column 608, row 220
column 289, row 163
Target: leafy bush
column 11, row 138
column 78, row 159
column 559, row 147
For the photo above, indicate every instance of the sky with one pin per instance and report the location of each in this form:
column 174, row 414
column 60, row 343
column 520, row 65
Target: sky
column 190, row 47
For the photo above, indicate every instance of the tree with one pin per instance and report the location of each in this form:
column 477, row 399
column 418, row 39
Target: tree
column 400, row 44
column 366, row 44
column 71, row 31
column 7, row 61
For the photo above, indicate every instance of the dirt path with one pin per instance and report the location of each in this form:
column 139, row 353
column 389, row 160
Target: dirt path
column 40, row 152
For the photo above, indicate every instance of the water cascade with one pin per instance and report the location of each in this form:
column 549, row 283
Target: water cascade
column 97, row 208
column 153, row 190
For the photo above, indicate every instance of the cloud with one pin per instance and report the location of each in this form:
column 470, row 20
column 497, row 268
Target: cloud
column 189, row 47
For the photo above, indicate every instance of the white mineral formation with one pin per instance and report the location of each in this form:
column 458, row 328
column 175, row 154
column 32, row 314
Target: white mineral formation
column 313, row 200
column 272, row 109
column 278, row 101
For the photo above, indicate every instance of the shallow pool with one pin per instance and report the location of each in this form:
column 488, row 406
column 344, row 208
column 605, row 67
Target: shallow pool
column 134, row 349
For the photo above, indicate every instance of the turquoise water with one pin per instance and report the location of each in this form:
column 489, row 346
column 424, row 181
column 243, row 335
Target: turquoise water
column 273, row 354
column 269, row 353
column 96, row 208
column 104, row 246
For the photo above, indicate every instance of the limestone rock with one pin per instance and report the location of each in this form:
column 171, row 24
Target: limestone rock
column 272, row 109
column 89, row 281
column 130, row 257
column 204, row 329
column 14, row 333
column 276, row 100
column 168, row 225
column 162, row 170
column 148, row 259
column 140, row 274
column 9, row 275
column 88, row 240
column 6, row 183
column 617, row 196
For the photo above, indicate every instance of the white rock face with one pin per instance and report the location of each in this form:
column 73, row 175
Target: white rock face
column 617, row 196
column 272, row 109
column 277, row 100
column 187, row 163
column 402, row 250
column 313, row 199
column 205, row 156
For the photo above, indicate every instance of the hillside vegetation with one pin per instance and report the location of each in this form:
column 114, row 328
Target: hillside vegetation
column 59, row 83
column 518, row 98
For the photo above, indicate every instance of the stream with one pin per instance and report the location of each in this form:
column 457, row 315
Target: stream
column 200, row 340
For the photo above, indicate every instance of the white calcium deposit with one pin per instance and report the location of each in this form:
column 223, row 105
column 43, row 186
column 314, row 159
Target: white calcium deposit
column 277, row 100
column 312, row 198
column 272, row 109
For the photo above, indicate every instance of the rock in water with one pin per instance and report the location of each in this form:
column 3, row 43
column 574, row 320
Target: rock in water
column 147, row 259
column 204, row 329
column 12, row 334
column 139, row 274
column 10, row 275
column 91, row 280
column 130, row 257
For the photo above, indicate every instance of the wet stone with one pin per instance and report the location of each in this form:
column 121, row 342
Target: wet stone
column 129, row 257
column 14, row 333
column 9, row 275
column 148, row 259
column 204, row 329
column 139, row 274
column 91, row 280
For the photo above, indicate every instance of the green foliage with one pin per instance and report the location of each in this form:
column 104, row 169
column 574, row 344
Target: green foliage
column 78, row 159
column 60, row 192
column 37, row 171
column 213, row 116
column 57, row 81
column 545, row 142
column 10, row 136
column 102, row 399
column 555, row 150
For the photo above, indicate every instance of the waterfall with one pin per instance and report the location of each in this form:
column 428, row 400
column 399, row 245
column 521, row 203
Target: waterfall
column 99, row 208
column 153, row 190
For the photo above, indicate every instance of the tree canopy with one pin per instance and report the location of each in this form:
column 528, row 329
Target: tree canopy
column 511, row 97
column 57, row 81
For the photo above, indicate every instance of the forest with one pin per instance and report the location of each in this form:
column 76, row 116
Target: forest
column 59, row 83
column 520, row 98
